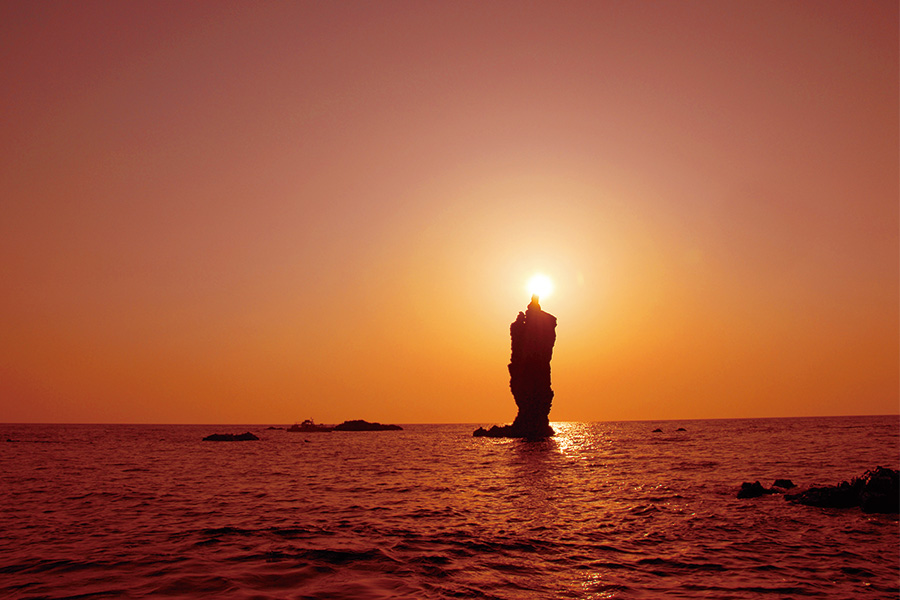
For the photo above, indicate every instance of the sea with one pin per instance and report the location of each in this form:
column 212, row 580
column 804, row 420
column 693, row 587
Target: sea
column 601, row 510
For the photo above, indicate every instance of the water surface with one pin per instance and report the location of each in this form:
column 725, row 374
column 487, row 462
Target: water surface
column 603, row 510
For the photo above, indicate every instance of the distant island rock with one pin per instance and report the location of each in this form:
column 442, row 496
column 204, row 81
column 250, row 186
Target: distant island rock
column 533, row 335
column 308, row 426
column 230, row 437
column 360, row 425
column 877, row 491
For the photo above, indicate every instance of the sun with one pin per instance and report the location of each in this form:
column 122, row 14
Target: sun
column 540, row 286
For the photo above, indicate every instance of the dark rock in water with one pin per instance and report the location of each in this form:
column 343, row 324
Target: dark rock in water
column 877, row 491
column 657, row 430
column 829, row 496
column 496, row 431
column 681, row 429
column 753, row 490
column 230, row 437
column 360, row 425
column 533, row 335
column 880, row 491
column 308, row 426
column 275, row 428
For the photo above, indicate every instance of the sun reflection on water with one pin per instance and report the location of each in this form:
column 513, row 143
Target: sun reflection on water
column 575, row 439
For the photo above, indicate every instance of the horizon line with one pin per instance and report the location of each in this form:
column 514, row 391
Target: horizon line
column 269, row 424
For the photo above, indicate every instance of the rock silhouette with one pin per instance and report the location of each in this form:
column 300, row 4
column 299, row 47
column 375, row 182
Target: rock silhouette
column 533, row 335
column 360, row 425
column 230, row 437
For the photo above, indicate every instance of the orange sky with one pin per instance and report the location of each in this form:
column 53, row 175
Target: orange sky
column 253, row 212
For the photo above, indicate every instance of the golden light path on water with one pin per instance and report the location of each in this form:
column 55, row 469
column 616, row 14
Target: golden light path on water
column 573, row 439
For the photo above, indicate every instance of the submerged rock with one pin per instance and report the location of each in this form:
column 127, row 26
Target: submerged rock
column 230, row 437
column 784, row 484
column 360, row 425
column 755, row 489
column 533, row 335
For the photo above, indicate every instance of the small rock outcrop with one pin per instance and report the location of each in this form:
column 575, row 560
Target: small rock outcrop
column 230, row 437
column 753, row 490
column 360, row 425
column 533, row 335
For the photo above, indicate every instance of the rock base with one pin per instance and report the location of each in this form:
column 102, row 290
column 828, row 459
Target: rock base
column 533, row 335
column 511, row 431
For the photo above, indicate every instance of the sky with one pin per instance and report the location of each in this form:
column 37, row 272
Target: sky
column 263, row 212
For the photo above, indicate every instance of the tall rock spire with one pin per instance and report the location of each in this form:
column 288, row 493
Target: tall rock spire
column 533, row 335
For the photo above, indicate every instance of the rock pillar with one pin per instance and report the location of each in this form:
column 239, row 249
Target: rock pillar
column 533, row 335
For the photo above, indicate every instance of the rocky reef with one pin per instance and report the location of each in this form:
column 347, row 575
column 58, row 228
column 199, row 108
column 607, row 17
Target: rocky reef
column 230, row 437
column 877, row 491
column 533, row 335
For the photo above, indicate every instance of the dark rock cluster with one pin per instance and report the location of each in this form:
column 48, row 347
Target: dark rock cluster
column 533, row 335
column 230, row 437
column 755, row 489
column 877, row 491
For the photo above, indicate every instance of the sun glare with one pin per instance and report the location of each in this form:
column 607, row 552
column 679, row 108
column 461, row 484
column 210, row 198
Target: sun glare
column 540, row 285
